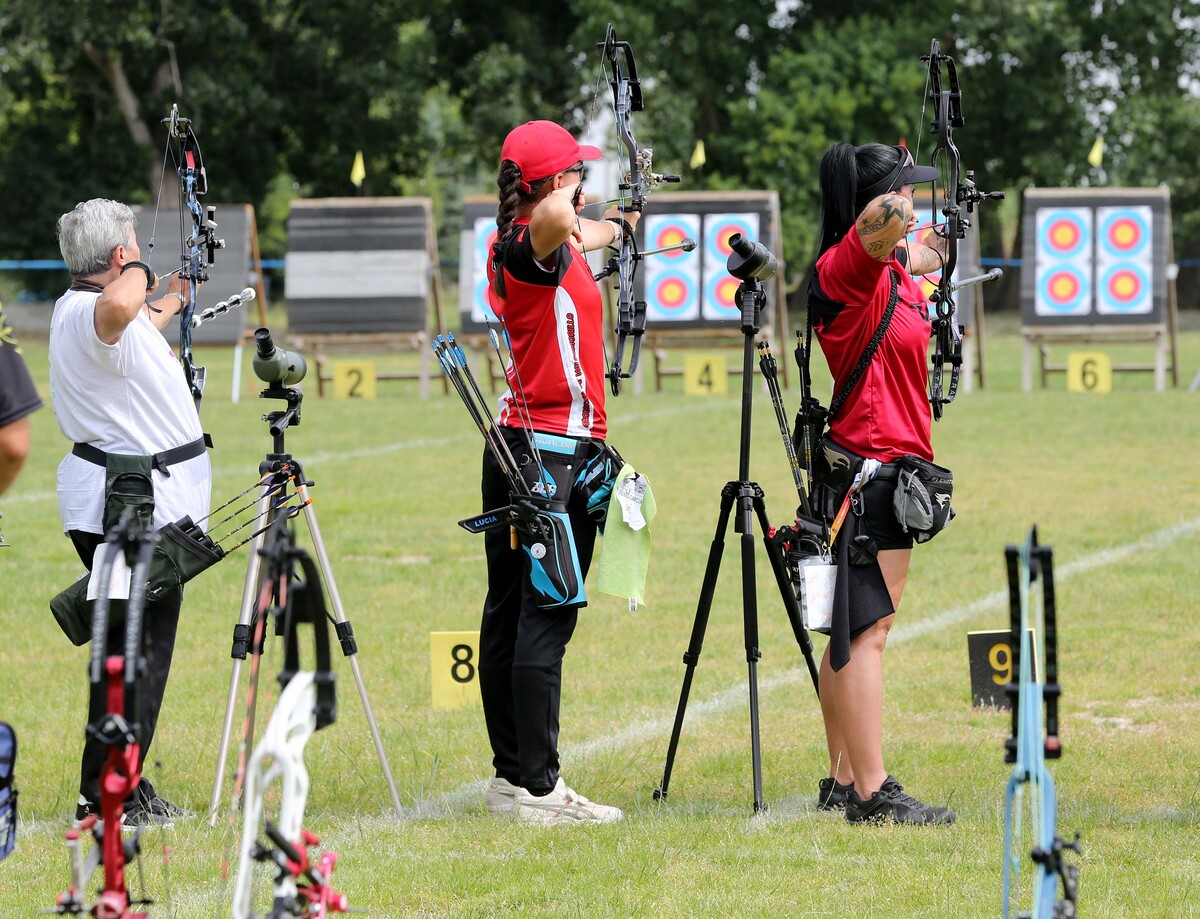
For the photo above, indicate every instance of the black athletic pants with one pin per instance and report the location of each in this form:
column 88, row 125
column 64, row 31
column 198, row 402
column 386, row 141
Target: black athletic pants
column 158, row 641
column 521, row 647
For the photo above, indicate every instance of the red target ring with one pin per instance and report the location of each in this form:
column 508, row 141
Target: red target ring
column 672, row 294
column 726, row 292
column 1124, row 235
column 1124, row 286
column 1063, row 287
column 1063, row 235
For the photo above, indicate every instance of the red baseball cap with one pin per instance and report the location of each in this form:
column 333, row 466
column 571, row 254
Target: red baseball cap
column 542, row 149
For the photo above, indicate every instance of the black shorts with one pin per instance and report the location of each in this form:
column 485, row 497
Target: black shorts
column 875, row 502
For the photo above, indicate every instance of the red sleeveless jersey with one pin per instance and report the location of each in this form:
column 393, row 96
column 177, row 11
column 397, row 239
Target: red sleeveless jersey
column 554, row 318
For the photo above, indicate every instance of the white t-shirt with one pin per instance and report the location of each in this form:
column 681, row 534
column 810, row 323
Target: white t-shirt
column 130, row 397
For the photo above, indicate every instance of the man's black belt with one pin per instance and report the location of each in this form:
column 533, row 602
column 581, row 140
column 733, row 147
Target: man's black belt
column 159, row 461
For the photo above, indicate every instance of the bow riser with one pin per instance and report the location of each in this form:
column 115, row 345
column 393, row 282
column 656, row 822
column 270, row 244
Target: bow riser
column 639, row 180
column 960, row 197
column 198, row 246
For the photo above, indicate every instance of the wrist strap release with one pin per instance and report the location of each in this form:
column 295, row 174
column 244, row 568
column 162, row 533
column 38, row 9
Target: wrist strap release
column 150, row 276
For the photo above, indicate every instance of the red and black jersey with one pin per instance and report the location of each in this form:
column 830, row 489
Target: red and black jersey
column 887, row 414
column 554, row 318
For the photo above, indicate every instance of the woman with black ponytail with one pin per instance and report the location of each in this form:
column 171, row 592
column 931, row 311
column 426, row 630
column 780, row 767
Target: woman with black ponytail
column 542, row 290
column 863, row 283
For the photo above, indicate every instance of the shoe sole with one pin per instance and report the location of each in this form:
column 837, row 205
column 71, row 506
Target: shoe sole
column 537, row 817
column 885, row 819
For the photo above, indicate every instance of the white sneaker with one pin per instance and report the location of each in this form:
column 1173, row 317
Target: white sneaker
column 563, row 805
column 501, row 796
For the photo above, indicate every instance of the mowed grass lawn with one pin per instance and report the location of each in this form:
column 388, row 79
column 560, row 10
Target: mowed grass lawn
column 1112, row 481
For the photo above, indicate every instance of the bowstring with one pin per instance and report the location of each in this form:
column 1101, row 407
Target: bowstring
column 158, row 201
column 602, row 77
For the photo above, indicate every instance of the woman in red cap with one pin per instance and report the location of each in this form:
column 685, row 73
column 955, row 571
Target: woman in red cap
column 863, row 265
column 542, row 289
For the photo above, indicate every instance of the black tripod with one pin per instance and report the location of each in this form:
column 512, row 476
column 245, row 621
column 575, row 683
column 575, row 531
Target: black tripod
column 751, row 263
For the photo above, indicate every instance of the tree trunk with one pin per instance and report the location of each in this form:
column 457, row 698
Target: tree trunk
column 113, row 71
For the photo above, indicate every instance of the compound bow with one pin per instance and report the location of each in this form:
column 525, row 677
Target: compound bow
column 960, row 197
column 638, row 181
column 199, row 244
column 114, row 678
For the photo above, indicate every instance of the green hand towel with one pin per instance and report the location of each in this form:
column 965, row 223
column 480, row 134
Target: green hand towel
column 625, row 553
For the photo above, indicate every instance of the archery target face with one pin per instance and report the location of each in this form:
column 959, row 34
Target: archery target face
column 1124, row 260
column 720, row 286
column 1124, row 232
column 485, row 238
column 1064, row 233
column 1124, row 288
column 1064, row 290
column 672, row 279
column 1063, row 261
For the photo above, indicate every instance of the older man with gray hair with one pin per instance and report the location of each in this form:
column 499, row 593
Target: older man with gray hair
column 120, row 396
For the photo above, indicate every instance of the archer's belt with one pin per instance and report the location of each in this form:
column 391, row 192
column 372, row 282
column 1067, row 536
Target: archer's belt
column 159, row 461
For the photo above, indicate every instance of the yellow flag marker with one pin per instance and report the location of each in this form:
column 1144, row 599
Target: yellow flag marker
column 698, row 157
column 358, row 171
column 1096, row 156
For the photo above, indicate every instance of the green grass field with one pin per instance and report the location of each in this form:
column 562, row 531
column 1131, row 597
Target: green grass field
column 1111, row 481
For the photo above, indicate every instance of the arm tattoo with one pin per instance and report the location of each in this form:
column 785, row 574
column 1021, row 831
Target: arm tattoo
column 893, row 206
column 924, row 260
column 881, row 226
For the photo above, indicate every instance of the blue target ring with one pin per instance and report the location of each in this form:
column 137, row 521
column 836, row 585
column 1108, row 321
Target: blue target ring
column 1064, row 290
column 483, row 306
column 485, row 236
column 1124, row 233
column 671, row 294
column 1063, row 234
column 671, row 231
column 719, row 300
column 1125, row 288
column 717, row 233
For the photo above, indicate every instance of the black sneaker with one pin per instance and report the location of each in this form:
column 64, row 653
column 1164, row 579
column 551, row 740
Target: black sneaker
column 831, row 794
column 154, row 811
column 83, row 810
column 891, row 805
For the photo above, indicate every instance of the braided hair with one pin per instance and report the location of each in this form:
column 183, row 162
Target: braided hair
column 512, row 200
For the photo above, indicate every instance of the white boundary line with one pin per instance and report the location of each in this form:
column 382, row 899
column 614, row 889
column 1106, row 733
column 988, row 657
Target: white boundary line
column 732, row 696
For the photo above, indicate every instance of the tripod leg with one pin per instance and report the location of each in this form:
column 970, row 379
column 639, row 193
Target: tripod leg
column 692, row 656
column 786, row 591
column 249, row 595
column 256, row 651
column 750, row 630
column 348, row 645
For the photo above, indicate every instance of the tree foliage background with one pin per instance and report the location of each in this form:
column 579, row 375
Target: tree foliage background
column 283, row 92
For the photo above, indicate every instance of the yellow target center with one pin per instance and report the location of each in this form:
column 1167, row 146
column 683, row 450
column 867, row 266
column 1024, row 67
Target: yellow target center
column 1063, row 287
column 1064, row 236
column 1124, row 285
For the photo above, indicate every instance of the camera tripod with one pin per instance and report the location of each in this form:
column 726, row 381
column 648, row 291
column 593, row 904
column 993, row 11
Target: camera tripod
column 749, row 497
column 277, row 469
